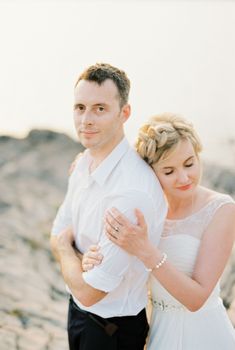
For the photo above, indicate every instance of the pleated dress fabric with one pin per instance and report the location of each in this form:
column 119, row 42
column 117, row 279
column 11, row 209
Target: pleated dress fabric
column 172, row 326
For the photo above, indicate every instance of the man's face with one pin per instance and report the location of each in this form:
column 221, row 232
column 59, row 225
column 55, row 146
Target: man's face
column 98, row 116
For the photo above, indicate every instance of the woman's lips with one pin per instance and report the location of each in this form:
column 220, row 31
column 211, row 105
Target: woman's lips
column 184, row 188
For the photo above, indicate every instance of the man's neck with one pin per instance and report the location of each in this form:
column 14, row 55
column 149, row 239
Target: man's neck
column 98, row 155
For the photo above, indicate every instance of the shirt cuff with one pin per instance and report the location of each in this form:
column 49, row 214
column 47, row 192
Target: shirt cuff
column 101, row 280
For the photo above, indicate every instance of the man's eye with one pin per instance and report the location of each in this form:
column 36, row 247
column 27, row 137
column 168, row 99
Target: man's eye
column 100, row 108
column 189, row 165
column 79, row 108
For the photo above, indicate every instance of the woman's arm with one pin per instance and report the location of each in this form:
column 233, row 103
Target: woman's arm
column 215, row 248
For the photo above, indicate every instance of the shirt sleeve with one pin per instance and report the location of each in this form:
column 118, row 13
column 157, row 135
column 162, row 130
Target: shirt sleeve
column 63, row 217
column 156, row 230
column 116, row 261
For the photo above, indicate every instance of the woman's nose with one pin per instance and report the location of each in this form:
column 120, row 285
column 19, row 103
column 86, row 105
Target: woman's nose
column 183, row 177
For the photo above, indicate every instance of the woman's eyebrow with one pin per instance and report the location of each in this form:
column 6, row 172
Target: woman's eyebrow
column 188, row 159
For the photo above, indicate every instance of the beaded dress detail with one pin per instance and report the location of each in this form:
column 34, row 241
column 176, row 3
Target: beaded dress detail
column 172, row 326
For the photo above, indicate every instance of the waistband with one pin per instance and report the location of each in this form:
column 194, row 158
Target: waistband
column 163, row 305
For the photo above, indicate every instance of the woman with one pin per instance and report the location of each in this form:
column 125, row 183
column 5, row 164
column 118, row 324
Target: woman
column 196, row 242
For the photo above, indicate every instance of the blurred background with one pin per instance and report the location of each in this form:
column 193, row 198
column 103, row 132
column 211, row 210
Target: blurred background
column 180, row 58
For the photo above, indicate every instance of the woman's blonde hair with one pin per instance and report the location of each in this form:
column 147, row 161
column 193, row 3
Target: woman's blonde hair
column 159, row 137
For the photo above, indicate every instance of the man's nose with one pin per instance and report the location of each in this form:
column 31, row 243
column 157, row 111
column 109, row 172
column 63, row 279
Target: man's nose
column 87, row 118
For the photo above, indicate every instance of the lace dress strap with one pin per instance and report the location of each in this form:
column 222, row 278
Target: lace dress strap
column 214, row 205
column 195, row 225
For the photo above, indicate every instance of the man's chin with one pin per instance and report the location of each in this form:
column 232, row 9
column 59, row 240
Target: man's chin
column 83, row 141
column 87, row 143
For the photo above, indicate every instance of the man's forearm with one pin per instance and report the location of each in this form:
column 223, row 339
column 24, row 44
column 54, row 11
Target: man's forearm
column 70, row 260
column 70, row 264
column 71, row 270
column 53, row 244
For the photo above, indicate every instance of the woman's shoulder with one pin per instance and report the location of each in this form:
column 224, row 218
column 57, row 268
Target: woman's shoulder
column 214, row 201
column 219, row 209
column 209, row 195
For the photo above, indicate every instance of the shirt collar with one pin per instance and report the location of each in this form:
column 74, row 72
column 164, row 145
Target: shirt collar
column 105, row 168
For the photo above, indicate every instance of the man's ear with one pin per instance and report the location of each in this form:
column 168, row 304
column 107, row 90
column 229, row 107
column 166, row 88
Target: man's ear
column 126, row 112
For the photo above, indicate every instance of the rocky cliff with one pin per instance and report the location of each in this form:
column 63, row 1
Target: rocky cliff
column 33, row 177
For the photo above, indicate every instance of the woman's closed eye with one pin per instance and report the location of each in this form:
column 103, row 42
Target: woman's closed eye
column 189, row 165
column 169, row 172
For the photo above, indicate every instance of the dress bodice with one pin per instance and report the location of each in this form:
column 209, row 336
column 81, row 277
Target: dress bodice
column 181, row 241
column 195, row 224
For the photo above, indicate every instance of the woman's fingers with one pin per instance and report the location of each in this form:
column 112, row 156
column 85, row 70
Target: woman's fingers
column 93, row 261
column 71, row 168
column 121, row 231
column 112, row 237
column 140, row 219
column 110, row 231
column 73, row 164
column 117, row 220
column 95, row 255
column 110, row 224
column 87, row 267
column 116, row 217
column 118, row 226
column 94, row 248
column 91, row 258
column 89, row 262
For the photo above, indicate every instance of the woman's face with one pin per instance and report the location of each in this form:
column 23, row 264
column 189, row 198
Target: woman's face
column 180, row 173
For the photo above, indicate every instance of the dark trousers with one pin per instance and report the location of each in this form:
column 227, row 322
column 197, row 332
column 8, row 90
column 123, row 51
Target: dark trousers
column 87, row 331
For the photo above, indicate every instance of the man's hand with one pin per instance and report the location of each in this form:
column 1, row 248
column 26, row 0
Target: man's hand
column 65, row 239
column 62, row 243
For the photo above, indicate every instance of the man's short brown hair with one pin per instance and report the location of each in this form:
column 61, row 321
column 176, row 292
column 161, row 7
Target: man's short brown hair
column 103, row 71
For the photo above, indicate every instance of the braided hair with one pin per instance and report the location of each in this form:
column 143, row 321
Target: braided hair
column 161, row 134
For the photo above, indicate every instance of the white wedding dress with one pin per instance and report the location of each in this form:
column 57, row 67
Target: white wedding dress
column 172, row 326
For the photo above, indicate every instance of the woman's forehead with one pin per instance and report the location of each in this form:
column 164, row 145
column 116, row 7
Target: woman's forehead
column 182, row 152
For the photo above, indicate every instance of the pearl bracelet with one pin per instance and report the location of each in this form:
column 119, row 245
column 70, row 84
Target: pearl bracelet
column 164, row 257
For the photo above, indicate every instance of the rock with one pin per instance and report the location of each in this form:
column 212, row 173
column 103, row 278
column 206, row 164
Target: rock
column 33, row 178
column 220, row 179
column 228, row 282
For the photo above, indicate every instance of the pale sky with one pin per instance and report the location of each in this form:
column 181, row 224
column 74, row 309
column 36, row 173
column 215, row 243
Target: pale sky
column 179, row 56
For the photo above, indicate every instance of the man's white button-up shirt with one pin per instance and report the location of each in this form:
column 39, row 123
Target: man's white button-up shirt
column 123, row 180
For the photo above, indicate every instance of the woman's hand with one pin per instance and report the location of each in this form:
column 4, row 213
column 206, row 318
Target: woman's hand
column 91, row 258
column 130, row 237
column 73, row 164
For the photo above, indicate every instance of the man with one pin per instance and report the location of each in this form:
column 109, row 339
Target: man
column 107, row 304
